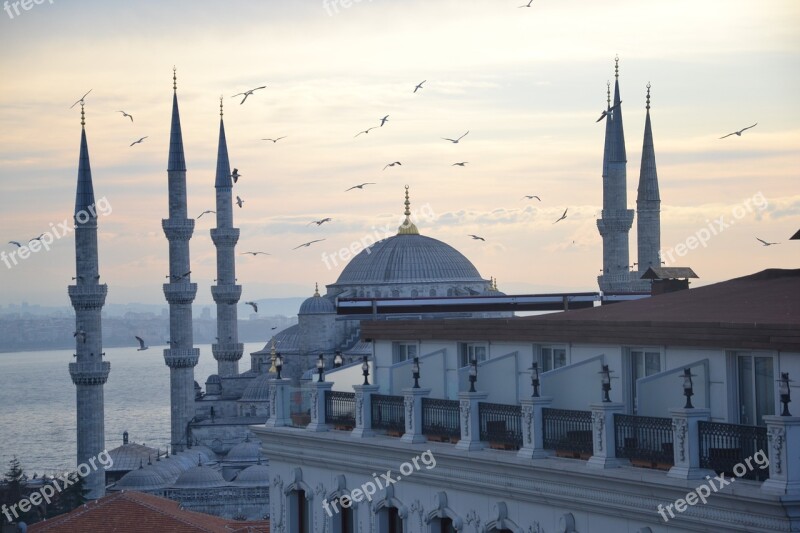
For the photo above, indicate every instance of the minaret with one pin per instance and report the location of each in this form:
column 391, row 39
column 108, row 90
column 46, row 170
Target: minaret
column 89, row 372
column 648, row 202
column 228, row 350
column 181, row 357
column 616, row 219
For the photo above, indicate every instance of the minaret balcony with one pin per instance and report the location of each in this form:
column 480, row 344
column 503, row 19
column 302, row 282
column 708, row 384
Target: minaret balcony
column 225, row 236
column 226, row 294
column 178, row 229
column 89, row 373
column 87, row 296
column 227, row 351
column 181, row 357
column 615, row 221
column 180, row 292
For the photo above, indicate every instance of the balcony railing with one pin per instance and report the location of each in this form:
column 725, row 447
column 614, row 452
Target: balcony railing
column 340, row 408
column 388, row 413
column 645, row 440
column 724, row 446
column 501, row 424
column 567, row 430
column 440, row 419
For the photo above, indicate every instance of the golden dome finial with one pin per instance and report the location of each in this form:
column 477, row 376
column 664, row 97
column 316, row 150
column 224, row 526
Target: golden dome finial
column 616, row 67
column 648, row 96
column 407, row 227
column 83, row 116
column 608, row 93
column 174, row 78
column 220, row 105
column 316, row 290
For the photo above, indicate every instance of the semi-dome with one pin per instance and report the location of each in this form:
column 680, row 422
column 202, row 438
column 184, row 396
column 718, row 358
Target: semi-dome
column 245, row 451
column 253, row 476
column 317, row 305
column 199, row 477
column 142, row 479
column 257, row 390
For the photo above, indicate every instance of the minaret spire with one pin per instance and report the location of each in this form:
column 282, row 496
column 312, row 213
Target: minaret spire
column 407, row 227
column 648, row 201
column 226, row 293
column 89, row 372
column 181, row 357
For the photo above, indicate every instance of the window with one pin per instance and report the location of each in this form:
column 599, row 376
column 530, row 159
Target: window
column 395, row 522
column 470, row 351
column 433, row 292
column 552, row 357
column 343, row 519
column 643, row 362
column 756, row 381
column 300, row 512
column 445, row 526
column 402, row 351
column 414, row 293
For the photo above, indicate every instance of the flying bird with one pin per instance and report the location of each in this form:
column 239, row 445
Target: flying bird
column 365, row 131
column 206, row 212
column 461, row 164
column 739, row 133
column 179, row 277
column 455, row 141
column 253, row 305
column 248, row 93
column 528, row 4
column 16, row 243
column 359, row 186
column 39, row 238
column 765, row 243
column 531, row 197
column 320, row 221
column 142, row 345
column 605, row 112
column 255, row 253
column 239, row 201
column 384, row 120
column 307, row 244
column 398, row 163
column 81, row 99
column 419, row 85
column 475, row 237
column 235, row 175
column 274, row 140
column 124, row 114
column 140, row 140
column 80, row 335
column 563, row 216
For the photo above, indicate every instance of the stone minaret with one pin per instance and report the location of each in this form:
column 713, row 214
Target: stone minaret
column 228, row 350
column 616, row 219
column 648, row 202
column 181, row 357
column 89, row 372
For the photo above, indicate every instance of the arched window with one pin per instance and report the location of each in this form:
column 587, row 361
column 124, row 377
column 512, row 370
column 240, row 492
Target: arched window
column 414, row 293
column 433, row 292
column 396, row 293
column 299, row 512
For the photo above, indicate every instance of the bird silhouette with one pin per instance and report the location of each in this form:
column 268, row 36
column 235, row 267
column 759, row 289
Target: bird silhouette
column 307, row 244
column 765, row 243
column 254, row 254
column 384, row 120
column 80, row 101
column 16, row 243
column 528, row 4
column 124, row 114
column 531, row 197
column 320, row 221
column 359, row 186
column 477, row 238
column 563, row 216
column 461, row 164
column 239, row 202
column 253, row 305
column 142, row 345
column 455, row 141
column 365, row 131
column 605, row 112
column 80, row 335
column 235, row 175
column 248, row 93
column 275, row 140
column 140, row 140
column 39, row 238
column 739, row 133
column 419, row 85
column 398, row 163
column 206, row 212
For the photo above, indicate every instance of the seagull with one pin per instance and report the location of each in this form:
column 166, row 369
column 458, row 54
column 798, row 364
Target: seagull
column 205, row 212
column 765, row 243
column 140, row 140
column 142, row 345
column 274, row 140
column 307, row 244
column 124, row 114
column 365, row 131
column 398, row 163
column 461, row 164
column 531, row 197
column 39, row 238
column 255, row 253
column 239, row 201
column 320, row 221
column 274, row 327
column 181, row 276
column 384, row 120
column 563, row 216
column 419, row 85
column 248, row 93
column 78, row 277
column 528, row 4
column 15, row 242
column 80, row 334
column 81, row 99
column 253, row 305
column 455, row 141
column 739, row 133
column 235, row 175
column 359, row 186
column 604, row 113
column 475, row 237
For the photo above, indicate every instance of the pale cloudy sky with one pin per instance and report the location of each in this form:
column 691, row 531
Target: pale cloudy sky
column 527, row 83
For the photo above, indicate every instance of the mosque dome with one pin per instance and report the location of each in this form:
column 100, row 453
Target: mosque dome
column 245, row 451
column 141, row 479
column 200, row 477
column 257, row 390
column 213, row 378
column 317, row 305
column 252, row 476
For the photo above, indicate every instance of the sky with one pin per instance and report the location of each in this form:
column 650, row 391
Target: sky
column 527, row 83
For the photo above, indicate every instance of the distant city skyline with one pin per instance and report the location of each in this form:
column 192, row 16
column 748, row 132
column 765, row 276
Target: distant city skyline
column 528, row 84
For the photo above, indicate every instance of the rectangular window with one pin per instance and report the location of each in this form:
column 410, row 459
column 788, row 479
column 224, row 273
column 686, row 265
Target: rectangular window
column 552, row 357
column 643, row 363
column 403, row 351
column 756, row 388
column 470, row 351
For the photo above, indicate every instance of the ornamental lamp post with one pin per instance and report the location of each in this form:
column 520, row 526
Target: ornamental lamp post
column 786, row 395
column 473, row 374
column 606, row 381
column 688, row 387
column 365, row 370
column 278, row 364
column 320, row 368
column 415, row 372
column 535, row 379
column 337, row 359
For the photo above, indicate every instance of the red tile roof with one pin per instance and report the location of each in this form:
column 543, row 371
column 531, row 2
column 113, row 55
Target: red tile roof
column 137, row 512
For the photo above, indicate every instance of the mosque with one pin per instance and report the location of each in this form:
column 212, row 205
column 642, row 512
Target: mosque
column 213, row 461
